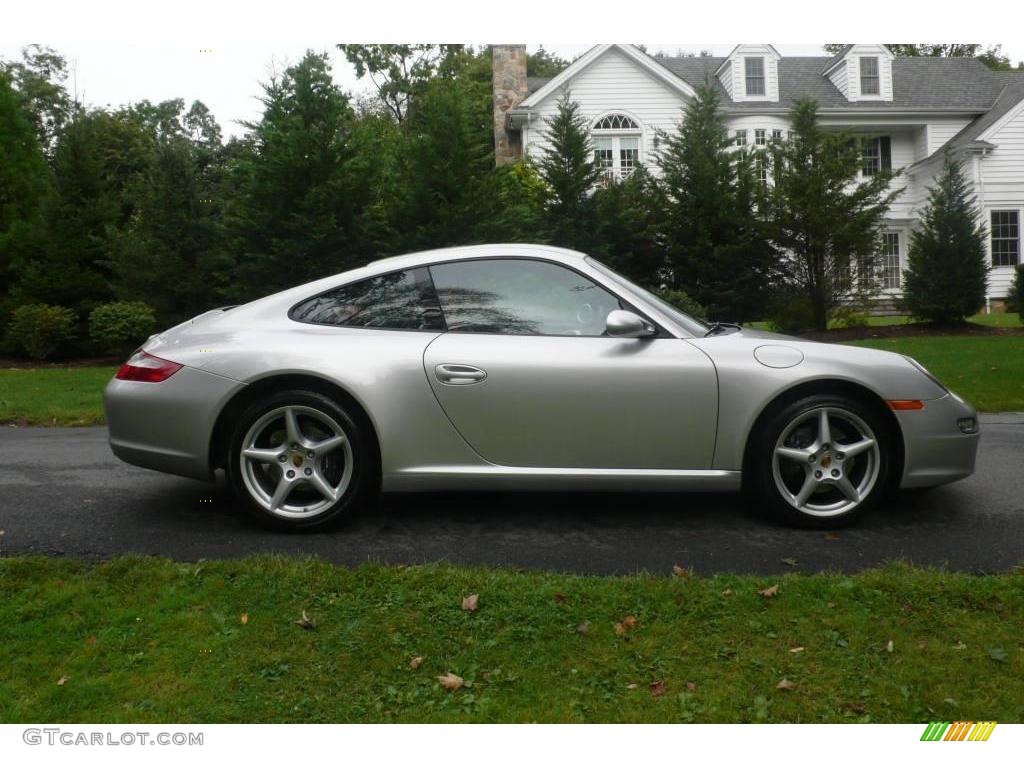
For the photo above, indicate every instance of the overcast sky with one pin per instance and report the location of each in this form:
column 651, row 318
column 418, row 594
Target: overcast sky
column 227, row 78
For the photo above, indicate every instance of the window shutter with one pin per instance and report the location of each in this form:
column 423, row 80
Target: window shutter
column 885, row 145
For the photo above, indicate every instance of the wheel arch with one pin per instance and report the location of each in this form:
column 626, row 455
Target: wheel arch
column 830, row 386
column 260, row 388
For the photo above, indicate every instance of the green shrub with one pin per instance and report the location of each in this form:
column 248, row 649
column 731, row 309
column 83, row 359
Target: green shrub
column 40, row 329
column 1015, row 301
column 790, row 311
column 849, row 317
column 119, row 327
column 682, row 301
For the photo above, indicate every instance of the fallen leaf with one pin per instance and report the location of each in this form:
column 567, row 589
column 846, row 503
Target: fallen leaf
column 63, row 679
column 890, row 646
column 922, row 644
column 450, row 681
column 415, row 663
column 632, row 686
column 583, row 628
column 792, row 562
column 771, row 591
column 244, row 618
column 726, row 592
column 798, row 649
column 683, row 573
column 619, row 629
column 959, row 645
column 691, row 686
column 830, row 605
column 305, row 622
column 90, row 640
column 785, row 685
column 470, row 602
column 559, row 597
column 831, row 537
column 629, row 622
column 657, row 688
column 997, row 654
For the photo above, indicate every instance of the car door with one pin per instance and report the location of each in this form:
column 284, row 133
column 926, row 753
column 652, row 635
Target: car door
column 527, row 378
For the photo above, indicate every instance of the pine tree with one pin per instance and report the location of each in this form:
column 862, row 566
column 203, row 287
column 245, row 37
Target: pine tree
column 715, row 252
column 571, row 173
column 946, row 271
column 821, row 217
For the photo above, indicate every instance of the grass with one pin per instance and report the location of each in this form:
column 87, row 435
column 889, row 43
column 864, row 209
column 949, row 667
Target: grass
column 147, row 640
column 66, row 397
column 995, row 320
column 987, row 370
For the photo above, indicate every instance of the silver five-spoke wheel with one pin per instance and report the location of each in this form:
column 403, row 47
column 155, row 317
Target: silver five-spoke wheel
column 296, row 461
column 826, row 461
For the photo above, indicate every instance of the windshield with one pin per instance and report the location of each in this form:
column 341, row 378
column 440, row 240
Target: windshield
column 691, row 324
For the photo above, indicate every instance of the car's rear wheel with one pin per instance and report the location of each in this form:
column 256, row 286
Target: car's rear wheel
column 298, row 461
column 821, row 461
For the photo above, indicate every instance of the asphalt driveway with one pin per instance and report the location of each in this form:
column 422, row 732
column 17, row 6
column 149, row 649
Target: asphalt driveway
column 62, row 492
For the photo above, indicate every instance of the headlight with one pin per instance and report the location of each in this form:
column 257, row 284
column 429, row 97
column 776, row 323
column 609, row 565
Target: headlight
column 926, row 372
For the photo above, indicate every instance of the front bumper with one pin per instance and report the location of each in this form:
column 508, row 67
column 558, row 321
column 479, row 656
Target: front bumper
column 167, row 426
column 935, row 450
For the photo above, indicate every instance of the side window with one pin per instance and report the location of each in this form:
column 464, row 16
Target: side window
column 520, row 297
column 399, row 300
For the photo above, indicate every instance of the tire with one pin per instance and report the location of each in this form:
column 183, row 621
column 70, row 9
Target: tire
column 299, row 461
column 815, row 483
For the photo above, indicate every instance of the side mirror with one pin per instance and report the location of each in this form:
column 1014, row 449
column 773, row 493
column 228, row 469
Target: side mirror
column 622, row 324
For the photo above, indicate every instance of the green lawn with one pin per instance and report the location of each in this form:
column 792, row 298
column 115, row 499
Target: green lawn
column 996, row 319
column 146, row 640
column 53, row 396
column 987, row 370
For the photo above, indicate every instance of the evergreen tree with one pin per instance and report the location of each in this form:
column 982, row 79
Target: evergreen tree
column 293, row 216
column 715, row 251
column 571, row 173
column 946, row 268
column 25, row 188
column 626, row 233
column 819, row 214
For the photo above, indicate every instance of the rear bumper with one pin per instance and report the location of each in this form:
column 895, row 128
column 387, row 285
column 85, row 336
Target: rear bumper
column 167, row 426
column 935, row 450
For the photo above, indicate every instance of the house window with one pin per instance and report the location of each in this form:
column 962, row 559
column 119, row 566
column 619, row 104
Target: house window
column 876, row 155
column 869, row 82
column 760, row 137
column 890, row 261
column 741, row 138
column 755, row 75
column 1005, row 239
column 616, row 145
column 761, row 164
column 776, row 134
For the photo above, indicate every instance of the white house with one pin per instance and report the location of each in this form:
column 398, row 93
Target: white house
column 907, row 111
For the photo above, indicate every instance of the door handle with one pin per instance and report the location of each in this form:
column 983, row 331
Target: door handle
column 456, row 374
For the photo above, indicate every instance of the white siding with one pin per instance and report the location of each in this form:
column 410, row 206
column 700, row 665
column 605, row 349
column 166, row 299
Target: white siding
column 614, row 83
column 846, row 76
column 725, row 76
column 941, row 130
column 1001, row 185
column 840, row 80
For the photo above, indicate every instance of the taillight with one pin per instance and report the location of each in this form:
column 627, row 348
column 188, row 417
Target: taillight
column 143, row 366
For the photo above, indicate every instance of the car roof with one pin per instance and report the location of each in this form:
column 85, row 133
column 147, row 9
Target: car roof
column 474, row 252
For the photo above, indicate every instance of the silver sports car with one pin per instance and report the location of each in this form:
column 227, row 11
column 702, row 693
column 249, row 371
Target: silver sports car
column 523, row 367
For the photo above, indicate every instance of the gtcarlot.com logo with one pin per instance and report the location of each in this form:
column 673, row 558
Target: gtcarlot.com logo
column 71, row 738
column 959, row 731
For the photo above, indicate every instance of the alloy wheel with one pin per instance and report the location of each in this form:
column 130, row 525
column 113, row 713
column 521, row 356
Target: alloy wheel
column 296, row 461
column 826, row 461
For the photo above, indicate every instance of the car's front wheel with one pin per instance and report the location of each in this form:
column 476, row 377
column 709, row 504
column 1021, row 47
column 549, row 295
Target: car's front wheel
column 821, row 461
column 298, row 460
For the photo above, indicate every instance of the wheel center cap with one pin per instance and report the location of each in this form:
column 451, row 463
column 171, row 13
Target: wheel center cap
column 826, row 461
column 297, row 459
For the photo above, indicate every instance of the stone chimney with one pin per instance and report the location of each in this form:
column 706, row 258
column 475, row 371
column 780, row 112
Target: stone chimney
column 510, row 88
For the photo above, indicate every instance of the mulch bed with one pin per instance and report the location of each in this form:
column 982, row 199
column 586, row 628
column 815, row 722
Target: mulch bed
column 911, row 329
column 80, row 362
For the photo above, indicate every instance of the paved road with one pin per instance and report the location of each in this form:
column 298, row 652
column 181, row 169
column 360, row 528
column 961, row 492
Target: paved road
column 62, row 492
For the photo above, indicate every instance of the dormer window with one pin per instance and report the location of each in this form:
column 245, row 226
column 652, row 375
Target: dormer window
column 869, row 81
column 755, row 75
